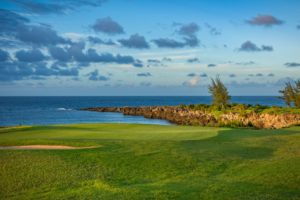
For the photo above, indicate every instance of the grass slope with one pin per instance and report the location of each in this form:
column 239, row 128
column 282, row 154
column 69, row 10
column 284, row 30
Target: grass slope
column 150, row 162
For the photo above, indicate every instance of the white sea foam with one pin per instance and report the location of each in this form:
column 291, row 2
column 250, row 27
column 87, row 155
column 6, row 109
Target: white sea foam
column 64, row 109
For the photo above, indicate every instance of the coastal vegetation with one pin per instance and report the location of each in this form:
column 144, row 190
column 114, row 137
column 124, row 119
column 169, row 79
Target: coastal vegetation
column 150, row 162
column 291, row 94
column 221, row 101
column 243, row 109
column 220, row 94
column 221, row 112
column 205, row 115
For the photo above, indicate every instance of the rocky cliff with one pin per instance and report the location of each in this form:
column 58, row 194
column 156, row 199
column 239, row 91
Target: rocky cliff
column 185, row 116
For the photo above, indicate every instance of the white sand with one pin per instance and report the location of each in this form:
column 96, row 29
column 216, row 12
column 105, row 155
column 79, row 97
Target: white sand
column 30, row 147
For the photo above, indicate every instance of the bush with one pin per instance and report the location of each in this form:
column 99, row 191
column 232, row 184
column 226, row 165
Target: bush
column 242, row 109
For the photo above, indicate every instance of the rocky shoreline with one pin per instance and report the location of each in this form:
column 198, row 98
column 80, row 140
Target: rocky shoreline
column 185, row 116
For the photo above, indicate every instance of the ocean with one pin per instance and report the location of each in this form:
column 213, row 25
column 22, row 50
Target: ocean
column 64, row 110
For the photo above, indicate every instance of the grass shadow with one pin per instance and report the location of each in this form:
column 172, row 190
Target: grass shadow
column 242, row 143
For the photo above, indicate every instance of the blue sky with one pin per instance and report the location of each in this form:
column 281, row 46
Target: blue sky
column 143, row 47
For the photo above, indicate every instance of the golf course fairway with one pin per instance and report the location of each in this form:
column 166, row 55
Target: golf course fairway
column 131, row 161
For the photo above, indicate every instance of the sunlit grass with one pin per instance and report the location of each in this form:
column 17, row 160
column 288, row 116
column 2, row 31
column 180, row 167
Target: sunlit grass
column 150, row 162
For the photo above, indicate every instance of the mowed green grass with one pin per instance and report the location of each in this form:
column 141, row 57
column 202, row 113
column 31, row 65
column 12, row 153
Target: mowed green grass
column 150, row 162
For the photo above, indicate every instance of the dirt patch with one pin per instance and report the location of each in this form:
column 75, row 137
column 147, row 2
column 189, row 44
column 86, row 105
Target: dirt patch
column 48, row 147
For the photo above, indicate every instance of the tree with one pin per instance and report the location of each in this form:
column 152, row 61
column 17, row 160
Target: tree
column 288, row 94
column 297, row 94
column 219, row 93
column 291, row 94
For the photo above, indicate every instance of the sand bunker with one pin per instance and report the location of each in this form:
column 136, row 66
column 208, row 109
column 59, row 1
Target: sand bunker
column 30, row 147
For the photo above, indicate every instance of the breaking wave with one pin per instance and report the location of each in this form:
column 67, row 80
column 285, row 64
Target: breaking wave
column 64, row 109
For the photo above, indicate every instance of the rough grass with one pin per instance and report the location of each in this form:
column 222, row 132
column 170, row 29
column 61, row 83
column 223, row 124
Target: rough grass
column 150, row 162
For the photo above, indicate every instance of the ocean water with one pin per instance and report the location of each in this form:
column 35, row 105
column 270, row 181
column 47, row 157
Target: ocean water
column 64, row 110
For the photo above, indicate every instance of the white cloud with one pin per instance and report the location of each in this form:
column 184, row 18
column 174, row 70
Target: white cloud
column 195, row 81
